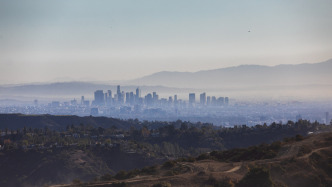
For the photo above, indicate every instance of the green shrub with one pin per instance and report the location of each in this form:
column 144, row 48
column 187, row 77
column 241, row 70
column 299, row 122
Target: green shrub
column 169, row 164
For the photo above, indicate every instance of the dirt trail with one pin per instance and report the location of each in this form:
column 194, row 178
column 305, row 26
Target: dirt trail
column 233, row 169
column 313, row 151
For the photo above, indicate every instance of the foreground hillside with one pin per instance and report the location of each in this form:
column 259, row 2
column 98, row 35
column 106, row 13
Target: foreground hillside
column 35, row 153
column 294, row 162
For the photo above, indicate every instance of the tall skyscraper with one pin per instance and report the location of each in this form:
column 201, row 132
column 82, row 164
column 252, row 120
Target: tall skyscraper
column 127, row 97
column 138, row 94
column 155, row 97
column 109, row 100
column 202, row 98
column 118, row 93
column 170, row 100
column 226, row 100
column 132, row 98
column 109, row 93
column 208, row 100
column 214, row 101
column 99, row 97
column 105, row 98
column 221, row 100
column 192, row 99
column 148, row 99
column 82, row 100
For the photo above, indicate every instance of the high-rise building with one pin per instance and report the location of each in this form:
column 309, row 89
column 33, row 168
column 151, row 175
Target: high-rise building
column 221, row 100
column 138, row 94
column 148, row 99
column 208, row 100
column 132, row 98
column 73, row 102
column 105, row 97
column 175, row 99
column 202, row 98
column 170, row 100
column 226, row 100
column 99, row 97
column 155, row 97
column 118, row 93
column 127, row 97
column 122, row 99
column 192, row 99
column 82, row 100
column 109, row 93
column 214, row 100
column 109, row 99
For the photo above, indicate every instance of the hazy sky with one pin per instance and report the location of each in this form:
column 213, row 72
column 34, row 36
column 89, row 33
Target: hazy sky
column 45, row 40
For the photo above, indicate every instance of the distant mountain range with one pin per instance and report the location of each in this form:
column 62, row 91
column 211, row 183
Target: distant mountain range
column 308, row 80
column 244, row 76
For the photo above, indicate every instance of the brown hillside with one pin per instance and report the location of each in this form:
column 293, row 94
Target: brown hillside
column 298, row 162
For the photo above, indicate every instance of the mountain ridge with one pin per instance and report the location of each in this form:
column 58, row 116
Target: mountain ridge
column 284, row 74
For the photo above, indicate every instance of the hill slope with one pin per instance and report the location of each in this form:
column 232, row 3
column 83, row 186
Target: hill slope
column 298, row 162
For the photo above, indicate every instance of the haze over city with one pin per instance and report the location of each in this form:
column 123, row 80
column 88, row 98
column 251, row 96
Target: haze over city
column 165, row 93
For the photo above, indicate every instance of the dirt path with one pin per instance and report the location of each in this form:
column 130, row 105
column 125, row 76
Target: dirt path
column 233, row 169
column 316, row 150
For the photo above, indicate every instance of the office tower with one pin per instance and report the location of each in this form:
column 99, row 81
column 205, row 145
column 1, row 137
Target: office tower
column 132, row 98
column 105, row 97
column 122, row 97
column 127, row 97
column 226, row 100
column 170, row 100
column 99, row 97
column 109, row 98
column 148, row 99
column 175, row 100
column 202, row 98
column 73, row 102
column 109, row 94
column 155, row 97
column 221, row 100
column 327, row 118
column 213, row 101
column 191, row 99
column 118, row 93
column 138, row 94
column 208, row 100
column 82, row 100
